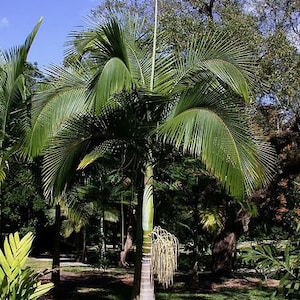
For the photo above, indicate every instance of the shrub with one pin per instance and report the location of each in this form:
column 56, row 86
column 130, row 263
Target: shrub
column 283, row 260
column 18, row 282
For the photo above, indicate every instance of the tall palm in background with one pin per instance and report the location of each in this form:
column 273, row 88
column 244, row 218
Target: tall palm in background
column 14, row 100
column 13, row 91
column 123, row 91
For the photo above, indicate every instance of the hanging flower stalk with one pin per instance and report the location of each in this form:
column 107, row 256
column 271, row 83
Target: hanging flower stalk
column 165, row 250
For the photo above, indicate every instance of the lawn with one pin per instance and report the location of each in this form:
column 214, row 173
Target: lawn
column 232, row 294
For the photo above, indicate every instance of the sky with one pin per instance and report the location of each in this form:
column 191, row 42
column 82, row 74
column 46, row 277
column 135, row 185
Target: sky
column 60, row 17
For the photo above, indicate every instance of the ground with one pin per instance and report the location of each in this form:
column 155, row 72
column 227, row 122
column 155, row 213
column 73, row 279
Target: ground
column 116, row 284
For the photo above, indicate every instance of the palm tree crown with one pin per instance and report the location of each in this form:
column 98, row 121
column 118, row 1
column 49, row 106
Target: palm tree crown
column 196, row 104
column 122, row 91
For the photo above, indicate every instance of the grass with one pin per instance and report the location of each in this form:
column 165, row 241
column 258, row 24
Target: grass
column 124, row 294
column 43, row 264
column 39, row 264
column 75, row 269
column 232, row 294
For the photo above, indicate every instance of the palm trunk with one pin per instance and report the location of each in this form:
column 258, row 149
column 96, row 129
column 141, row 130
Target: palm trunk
column 139, row 242
column 83, row 257
column 122, row 223
column 56, row 247
column 102, row 235
column 147, row 284
column 78, row 246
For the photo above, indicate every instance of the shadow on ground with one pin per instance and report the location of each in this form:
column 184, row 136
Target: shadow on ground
column 116, row 284
column 92, row 285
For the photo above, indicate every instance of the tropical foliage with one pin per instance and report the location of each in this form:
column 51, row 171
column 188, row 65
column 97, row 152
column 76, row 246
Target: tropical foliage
column 280, row 259
column 128, row 91
column 199, row 104
column 125, row 98
column 18, row 282
column 14, row 96
column 17, row 79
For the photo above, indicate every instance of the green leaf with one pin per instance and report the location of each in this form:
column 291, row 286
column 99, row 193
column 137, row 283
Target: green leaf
column 16, row 282
column 41, row 290
column 115, row 77
column 98, row 152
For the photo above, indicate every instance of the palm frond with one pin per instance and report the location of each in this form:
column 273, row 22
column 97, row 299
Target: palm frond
column 16, row 57
column 208, row 126
column 77, row 215
column 115, row 77
column 223, row 56
column 111, row 41
column 64, row 152
column 99, row 151
column 80, row 139
column 63, row 95
column 164, row 73
column 211, row 220
column 12, row 89
column 115, row 74
column 112, row 216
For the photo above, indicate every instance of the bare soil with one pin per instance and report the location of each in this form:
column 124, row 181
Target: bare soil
column 237, row 281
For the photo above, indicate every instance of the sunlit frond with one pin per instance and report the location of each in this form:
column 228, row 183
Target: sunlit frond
column 223, row 56
column 105, row 148
column 211, row 220
column 60, row 98
column 208, row 126
column 114, row 77
column 12, row 89
column 77, row 215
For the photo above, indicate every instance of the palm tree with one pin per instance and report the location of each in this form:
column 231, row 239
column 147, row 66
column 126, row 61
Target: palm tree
column 13, row 89
column 13, row 99
column 127, row 91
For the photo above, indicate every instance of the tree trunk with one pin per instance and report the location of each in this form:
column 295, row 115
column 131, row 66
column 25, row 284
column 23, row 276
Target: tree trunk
column 122, row 223
column 147, row 284
column 138, row 243
column 225, row 244
column 56, row 247
column 194, row 279
column 102, row 236
column 83, row 257
column 78, row 246
column 223, row 253
column 127, row 247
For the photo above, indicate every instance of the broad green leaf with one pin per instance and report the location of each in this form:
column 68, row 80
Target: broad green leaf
column 9, row 250
column 16, row 282
column 4, row 265
column 41, row 289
